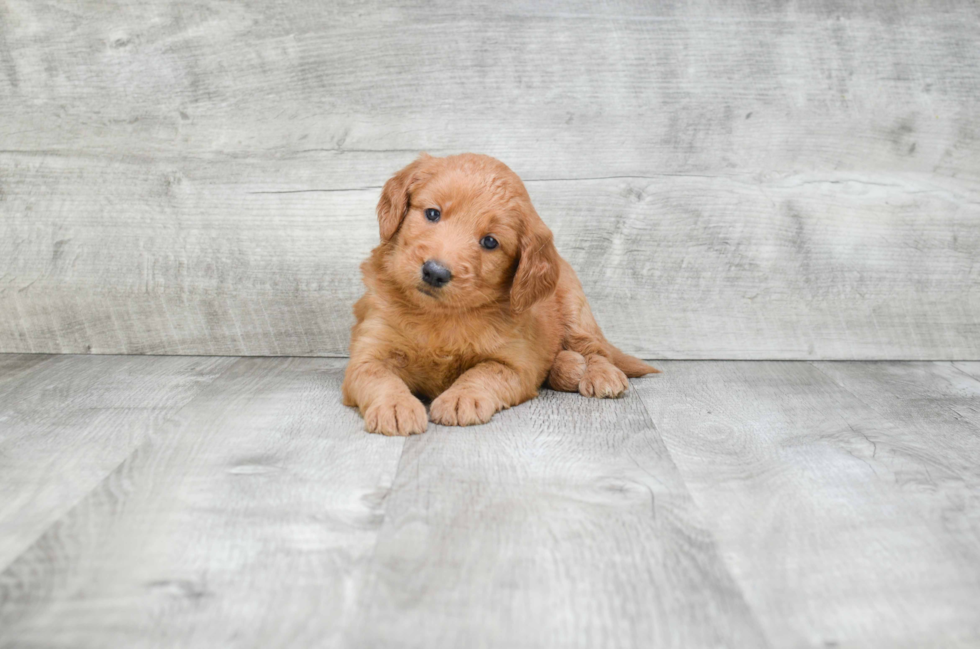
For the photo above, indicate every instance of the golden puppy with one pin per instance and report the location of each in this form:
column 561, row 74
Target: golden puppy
column 469, row 304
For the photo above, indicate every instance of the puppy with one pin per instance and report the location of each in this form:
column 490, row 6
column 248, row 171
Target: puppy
column 469, row 304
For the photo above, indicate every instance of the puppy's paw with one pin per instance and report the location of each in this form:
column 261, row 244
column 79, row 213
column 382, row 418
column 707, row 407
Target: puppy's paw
column 396, row 415
column 603, row 380
column 461, row 408
column 567, row 371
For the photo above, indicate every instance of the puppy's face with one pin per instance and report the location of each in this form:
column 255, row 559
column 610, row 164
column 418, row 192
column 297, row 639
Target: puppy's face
column 462, row 234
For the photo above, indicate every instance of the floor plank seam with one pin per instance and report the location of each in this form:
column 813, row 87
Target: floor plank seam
column 959, row 369
column 371, row 558
column 29, row 547
column 107, row 476
column 699, row 510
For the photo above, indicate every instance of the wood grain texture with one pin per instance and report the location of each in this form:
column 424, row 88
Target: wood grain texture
column 762, row 180
column 240, row 522
column 189, row 502
column 68, row 422
column 561, row 523
column 972, row 369
column 14, row 367
column 844, row 496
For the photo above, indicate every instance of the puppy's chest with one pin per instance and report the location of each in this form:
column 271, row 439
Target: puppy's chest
column 430, row 362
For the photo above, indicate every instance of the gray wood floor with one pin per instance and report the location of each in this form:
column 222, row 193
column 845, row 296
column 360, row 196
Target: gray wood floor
column 208, row 502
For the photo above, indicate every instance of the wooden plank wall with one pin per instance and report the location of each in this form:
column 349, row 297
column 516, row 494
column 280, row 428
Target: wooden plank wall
column 768, row 180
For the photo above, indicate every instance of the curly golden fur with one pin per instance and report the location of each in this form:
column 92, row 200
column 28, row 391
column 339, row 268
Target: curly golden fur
column 509, row 318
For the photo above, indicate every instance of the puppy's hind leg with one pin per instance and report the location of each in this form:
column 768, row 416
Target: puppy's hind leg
column 606, row 368
column 606, row 373
column 602, row 379
column 567, row 371
column 595, row 377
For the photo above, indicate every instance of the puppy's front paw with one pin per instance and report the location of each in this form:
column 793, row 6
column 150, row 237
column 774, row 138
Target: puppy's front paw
column 396, row 415
column 603, row 380
column 461, row 408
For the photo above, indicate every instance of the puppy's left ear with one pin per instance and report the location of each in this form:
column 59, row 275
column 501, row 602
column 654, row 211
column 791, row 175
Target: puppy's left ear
column 537, row 266
column 395, row 197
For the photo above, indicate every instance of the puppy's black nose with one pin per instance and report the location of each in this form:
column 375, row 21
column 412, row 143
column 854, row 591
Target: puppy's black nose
column 435, row 274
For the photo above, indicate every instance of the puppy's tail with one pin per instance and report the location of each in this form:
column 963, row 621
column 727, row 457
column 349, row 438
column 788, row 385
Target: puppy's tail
column 631, row 365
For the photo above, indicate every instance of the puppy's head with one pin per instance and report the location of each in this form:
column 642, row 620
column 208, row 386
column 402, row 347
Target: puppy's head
column 460, row 232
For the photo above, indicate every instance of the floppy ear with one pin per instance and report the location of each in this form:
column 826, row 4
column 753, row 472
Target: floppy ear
column 537, row 266
column 393, row 204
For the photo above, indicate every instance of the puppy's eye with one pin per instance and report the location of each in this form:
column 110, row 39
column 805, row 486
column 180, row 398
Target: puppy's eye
column 433, row 214
column 489, row 242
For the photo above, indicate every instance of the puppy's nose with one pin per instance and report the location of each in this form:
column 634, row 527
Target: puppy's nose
column 435, row 274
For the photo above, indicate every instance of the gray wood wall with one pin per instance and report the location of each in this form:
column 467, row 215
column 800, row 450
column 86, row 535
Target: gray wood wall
column 764, row 179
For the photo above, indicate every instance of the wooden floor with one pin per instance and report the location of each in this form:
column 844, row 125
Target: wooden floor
column 210, row 502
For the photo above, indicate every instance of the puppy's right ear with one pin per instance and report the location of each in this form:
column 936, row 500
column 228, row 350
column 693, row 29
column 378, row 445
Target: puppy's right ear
column 393, row 205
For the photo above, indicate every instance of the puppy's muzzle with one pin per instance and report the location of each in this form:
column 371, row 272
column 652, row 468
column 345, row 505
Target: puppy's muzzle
column 435, row 274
